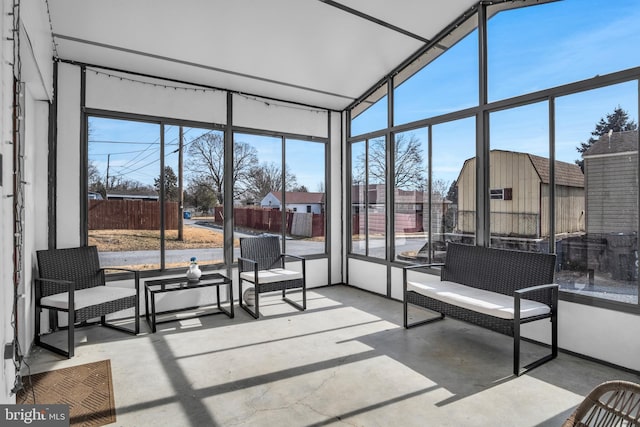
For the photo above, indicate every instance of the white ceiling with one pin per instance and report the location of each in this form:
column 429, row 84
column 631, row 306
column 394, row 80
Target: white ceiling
column 306, row 51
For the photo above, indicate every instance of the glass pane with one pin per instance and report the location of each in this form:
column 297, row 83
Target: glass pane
column 376, row 197
column 410, row 195
column 598, row 129
column 257, row 185
column 371, row 114
column 202, row 178
column 453, row 210
column 519, row 178
column 305, row 197
column 358, row 198
column 534, row 48
column 124, row 205
column 435, row 89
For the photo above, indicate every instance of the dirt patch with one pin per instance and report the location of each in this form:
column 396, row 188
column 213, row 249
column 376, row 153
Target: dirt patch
column 136, row 240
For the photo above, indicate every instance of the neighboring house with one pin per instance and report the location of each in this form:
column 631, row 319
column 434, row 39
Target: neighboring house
column 520, row 196
column 611, row 173
column 296, row 201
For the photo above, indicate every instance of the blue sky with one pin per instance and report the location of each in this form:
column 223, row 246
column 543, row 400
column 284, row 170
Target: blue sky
column 531, row 48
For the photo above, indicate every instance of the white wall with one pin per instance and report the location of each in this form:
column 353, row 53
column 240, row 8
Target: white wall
column 251, row 112
column 6, row 203
column 68, row 155
column 107, row 91
column 36, row 74
column 337, row 208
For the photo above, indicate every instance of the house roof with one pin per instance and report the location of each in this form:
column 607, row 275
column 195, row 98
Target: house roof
column 299, row 197
column 619, row 142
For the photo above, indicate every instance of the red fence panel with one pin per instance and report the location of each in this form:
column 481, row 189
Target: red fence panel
column 131, row 215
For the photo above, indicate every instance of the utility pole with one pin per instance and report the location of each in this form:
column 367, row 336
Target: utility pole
column 180, row 189
column 108, row 161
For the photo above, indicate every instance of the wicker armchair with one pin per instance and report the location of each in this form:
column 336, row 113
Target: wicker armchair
column 72, row 281
column 262, row 264
column 613, row 403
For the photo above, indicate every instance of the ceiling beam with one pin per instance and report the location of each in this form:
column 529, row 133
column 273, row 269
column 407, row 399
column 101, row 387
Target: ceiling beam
column 375, row 20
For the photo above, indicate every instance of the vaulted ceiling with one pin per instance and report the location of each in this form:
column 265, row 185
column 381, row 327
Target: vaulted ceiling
column 322, row 53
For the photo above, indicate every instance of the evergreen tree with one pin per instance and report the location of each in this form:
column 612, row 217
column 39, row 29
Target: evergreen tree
column 618, row 121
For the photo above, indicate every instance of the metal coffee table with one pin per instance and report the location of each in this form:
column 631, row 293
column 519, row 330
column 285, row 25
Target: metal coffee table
column 174, row 284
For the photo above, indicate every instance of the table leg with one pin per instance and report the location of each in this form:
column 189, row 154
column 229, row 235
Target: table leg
column 153, row 312
column 230, row 296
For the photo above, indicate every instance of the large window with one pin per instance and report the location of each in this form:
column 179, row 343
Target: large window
column 453, row 184
column 423, row 94
column 305, row 196
column 534, row 48
column 287, row 201
column 434, row 200
column 371, row 114
column 554, row 148
column 599, row 255
column 411, row 194
column 519, row 169
column 142, row 200
column 369, row 198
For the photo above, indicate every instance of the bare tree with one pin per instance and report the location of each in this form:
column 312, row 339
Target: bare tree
column 410, row 168
column 267, row 177
column 207, row 152
column 439, row 187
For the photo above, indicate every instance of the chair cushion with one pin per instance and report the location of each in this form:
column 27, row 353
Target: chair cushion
column 271, row 276
column 479, row 300
column 88, row 297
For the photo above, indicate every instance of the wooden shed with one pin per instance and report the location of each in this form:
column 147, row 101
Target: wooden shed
column 520, row 196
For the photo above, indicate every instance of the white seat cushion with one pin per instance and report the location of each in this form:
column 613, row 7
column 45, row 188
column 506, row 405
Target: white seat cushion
column 87, row 297
column 479, row 300
column 271, row 276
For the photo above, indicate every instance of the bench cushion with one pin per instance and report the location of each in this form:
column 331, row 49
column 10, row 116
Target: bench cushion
column 479, row 300
column 88, row 297
column 272, row 275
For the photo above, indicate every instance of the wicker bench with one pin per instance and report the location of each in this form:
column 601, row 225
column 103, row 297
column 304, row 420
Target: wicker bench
column 494, row 288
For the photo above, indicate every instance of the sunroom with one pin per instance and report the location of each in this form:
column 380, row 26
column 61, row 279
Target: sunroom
column 368, row 137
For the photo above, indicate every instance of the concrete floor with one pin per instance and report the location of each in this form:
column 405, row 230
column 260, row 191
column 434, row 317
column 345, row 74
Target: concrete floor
column 346, row 361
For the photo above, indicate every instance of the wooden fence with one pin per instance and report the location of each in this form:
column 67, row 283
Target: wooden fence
column 131, row 215
column 270, row 220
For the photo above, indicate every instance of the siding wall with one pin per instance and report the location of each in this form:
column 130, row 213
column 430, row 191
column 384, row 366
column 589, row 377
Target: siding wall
column 612, row 193
column 570, row 209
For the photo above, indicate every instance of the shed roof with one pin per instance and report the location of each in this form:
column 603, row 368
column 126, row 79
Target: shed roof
column 567, row 174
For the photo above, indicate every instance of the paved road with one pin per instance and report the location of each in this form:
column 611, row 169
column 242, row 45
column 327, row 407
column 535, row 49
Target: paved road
column 298, row 247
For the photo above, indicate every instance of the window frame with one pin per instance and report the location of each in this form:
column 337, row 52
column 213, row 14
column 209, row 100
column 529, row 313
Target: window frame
column 481, row 111
column 87, row 113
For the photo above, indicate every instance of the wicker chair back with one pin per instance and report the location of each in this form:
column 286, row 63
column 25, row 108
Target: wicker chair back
column 80, row 265
column 499, row 270
column 264, row 250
